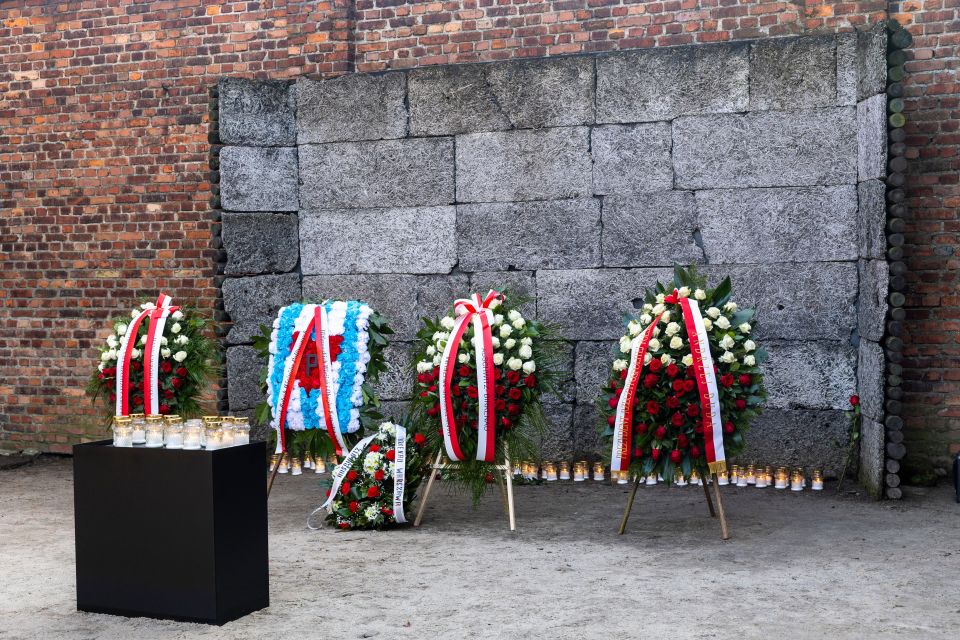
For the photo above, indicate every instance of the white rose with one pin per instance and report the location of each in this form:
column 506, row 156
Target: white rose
column 182, row 339
column 707, row 324
column 529, row 367
column 730, row 307
column 658, row 309
column 745, row 327
column 514, row 315
column 723, row 323
column 633, row 327
column 101, row 367
column 626, row 344
column 112, row 341
column 515, row 363
column 498, row 359
column 727, row 343
column 666, row 317
column 165, row 353
column 526, row 341
column 438, row 336
column 447, row 323
column 749, row 361
column 498, row 319
column 647, row 357
column 645, row 319
column 463, row 358
column 666, row 359
column 423, row 366
column 148, row 305
column 749, row 345
column 510, row 343
column 176, row 327
column 660, row 298
column 654, row 344
column 134, row 313
column 672, row 329
column 495, row 341
column 727, row 357
column 687, row 360
column 713, row 312
column 647, row 307
column 519, row 323
column 113, row 354
column 495, row 303
column 436, row 360
column 177, row 315
column 143, row 339
column 105, row 356
column 656, row 331
column 431, row 350
column 684, row 292
column 135, row 353
column 163, row 341
column 619, row 364
column 700, row 294
column 505, row 331
column 525, row 352
column 121, row 329
column 180, row 356
column 676, row 342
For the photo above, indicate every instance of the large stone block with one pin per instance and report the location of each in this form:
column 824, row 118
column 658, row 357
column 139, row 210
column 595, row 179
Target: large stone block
column 592, row 368
column 402, row 299
column 813, row 300
column 871, row 61
column 870, row 379
column 243, row 378
column 794, row 224
column 394, row 410
column 394, row 240
column 446, row 100
column 352, row 107
column 663, row 83
column 846, row 69
column 872, row 216
column 872, row 137
column 251, row 302
column 524, row 165
column 256, row 112
column 765, row 149
column 631, row 158
column 258, row 178
column 397, row 383
column 872, row 302
column 587, row 442
column 793, row 73
column 516, row 285
column 872, row 457
column 552, row 234
column 810, row 375
column 801, row 438
column 260, row 243
column 557, row 442
column 551, row 92
column 650, row 229
column 387, row 173
column 589, row 304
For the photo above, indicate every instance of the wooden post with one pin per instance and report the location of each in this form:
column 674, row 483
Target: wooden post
column 426, row 492
column 706, row 492
column 273, row 475
column 626, row 513
column 503, row 491
column 508, row 471
column 723, row 518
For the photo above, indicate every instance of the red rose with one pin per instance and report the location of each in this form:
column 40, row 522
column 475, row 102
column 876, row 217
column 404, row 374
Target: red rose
column 488, row 478
column 698, row 428
column 611, row 420
column 655, row 454
column 113, row 397
column 655, row 365
column 694, row 451
column 166, row 367
column 424, row 394
column 354, row 506
column 673, row 402
column 164, row 409
column 653, row 408
column 432, row 388
column 650, row 381
column 100, row 376
column 612, row 402
column 472, row 391
column 182, row 372
column 676, row 456
column 500, row 404
column 623, row 374
column 138, row 400
column 419, row 439
column 499, row 389
column 345, row 488
column 344, row 525
column 423, row 378
column 741, row 404
column 745, row 379
column 135, row 365
column 727, row 380
column 433, row 411
column 167, row 393
column 693, row 410
column 455, row 390
column 660, row 433
column 387, row 511
column 513, row 409
column 678, row 385
column 672, row 370
column 506, row 423
column 373, row 492
column 677, row 419
column 515, row 394
column 728, row 427
column 530, row 381
column 351, row 475
column 688, row 385
column 436, row 372
column 464, row 371
column 379, row 475
column 638, row 453
column 497, row 374
column 683, row 441
column 391, row 455
column 513, row 377
column 374, row 448
column 177, row 383
column 642, row 428
column 854, row 400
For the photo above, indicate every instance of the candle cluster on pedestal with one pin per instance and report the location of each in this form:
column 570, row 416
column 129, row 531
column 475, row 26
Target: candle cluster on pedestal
column 172, row 432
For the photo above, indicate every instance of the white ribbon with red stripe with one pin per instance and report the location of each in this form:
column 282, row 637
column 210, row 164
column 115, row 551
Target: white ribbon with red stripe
column 479, row 311
column 151, row 354
column 623, row 425
column 151, row 351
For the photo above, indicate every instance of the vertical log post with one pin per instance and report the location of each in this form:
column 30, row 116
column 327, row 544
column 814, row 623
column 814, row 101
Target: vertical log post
column 626, row 512
column 723, row 518
column 426, row 492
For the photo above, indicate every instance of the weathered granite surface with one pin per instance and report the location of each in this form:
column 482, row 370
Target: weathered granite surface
column 650, row 229
column 258, row 113
column 243, row 378
column 258, row 178
column 251, row 302
column 352, row 107
column 631, row 158
column 793, row 73
column 260, row 242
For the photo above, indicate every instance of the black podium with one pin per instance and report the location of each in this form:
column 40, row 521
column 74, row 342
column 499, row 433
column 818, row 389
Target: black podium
column 167, row 533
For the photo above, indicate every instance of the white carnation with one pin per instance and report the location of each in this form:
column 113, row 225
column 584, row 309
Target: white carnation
column 176, row 327
column 515, row 363
column 749, row 345
column 529, row 367
column 165, row 353
column 727, row 343
column 371, row 462
column 619, row 364
column 654, row 344
column 498, row 359
column 101, row 367
column 713, row 312
column 182, row 339
column 749, row 361
column 672, row 328
column 180, row 356
column 727, row 357
column 676, row 342
column 525, row 352
column 684, row 292
column 505, row 331
column 372, row 512
column 625, row 344
column 113, row 354
column 687, row 360
column 647, row 307
column 447, row 323
column 177, row 315
column 745, row 327
column 700, row 294
column 723, row 323
column 510, row 343
column 514, row 315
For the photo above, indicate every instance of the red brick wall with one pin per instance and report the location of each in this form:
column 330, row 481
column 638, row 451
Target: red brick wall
column 104, row 143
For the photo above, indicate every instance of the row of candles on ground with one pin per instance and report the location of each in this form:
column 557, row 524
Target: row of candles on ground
column 750, row 475
column 172, row 432
column 294, row 465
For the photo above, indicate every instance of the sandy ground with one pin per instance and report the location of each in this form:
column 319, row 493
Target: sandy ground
column 808, row 565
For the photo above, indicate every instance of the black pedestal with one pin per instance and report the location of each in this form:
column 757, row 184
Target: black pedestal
column 168, row 533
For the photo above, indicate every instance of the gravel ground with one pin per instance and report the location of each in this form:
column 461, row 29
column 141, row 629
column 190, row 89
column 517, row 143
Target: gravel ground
column 806, row 565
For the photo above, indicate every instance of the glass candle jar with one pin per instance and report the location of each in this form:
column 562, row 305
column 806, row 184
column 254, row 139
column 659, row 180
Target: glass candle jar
column 797, row 481
column 694, row 477
column 122, row 432
column 678, row 478
column 761, row 478
column 139, row 423
column 241, row 430
column 817, row 482
column 154, row 432
column 780, row 478
column 598, row 471
column 581, row 471
column 318, row 465
column 564, row 471
column 550, row 470
column 226, row 431
column 193, row 434
column 284, row 464
column 751, row 474
column 722, row 478
column 173, row 432
column 296, row 467
column 212, row 436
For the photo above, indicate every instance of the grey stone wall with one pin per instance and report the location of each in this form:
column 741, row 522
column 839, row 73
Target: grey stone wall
column 580, row 181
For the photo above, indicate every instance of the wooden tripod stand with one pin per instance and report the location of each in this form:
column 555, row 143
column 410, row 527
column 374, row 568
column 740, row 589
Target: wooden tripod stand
column 506, row 493
column 724, row 532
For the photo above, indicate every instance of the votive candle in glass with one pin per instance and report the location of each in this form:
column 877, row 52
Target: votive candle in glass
column 122, row 432
column 284, row 464
column 651, row 480
column 550, row 471
column 761, row 478
column 816, row 483
column 193, row 434
column 241, row 430
column 678, row 478
column 173, row 432
column 797, row 481
column 581, row 471
column 780, row 479
column 212, row 433
column 598, row 471
column 623, row 476
column 722, row 478
column 741, row 478
column 564, row 471
column 735, row 474
column 318, row 465
column 274, row 460
column 694, row 477
column 296, row 467
column 139, row 423
column 751, row 474
column 153, row 432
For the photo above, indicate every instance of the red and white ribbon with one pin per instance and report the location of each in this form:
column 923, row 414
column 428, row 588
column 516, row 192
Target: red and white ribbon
column 128, row 343
column 399, row 473
column 479, row 311
column 706, row 383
